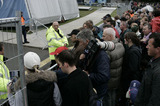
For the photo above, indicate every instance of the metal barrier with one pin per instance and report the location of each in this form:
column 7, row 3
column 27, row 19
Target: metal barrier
column 121, row 8
column 11, row 38
column 37, row 23
column 36, row 27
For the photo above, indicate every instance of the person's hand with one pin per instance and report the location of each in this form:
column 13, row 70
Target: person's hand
column 82, row 56
column 9, row 87
column 99, row 42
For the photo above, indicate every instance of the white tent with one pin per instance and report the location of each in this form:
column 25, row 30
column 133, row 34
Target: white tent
column 44, row 11
column 69, row 9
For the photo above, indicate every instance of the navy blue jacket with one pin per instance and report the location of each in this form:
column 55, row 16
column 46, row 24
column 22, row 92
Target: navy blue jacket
column 100, row 73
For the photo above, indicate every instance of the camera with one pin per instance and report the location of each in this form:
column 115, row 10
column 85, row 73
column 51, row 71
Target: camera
column 90, row 53
column 107, row 45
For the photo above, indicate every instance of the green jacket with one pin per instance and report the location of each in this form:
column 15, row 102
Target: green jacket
column 4, row 79
column 54, row 40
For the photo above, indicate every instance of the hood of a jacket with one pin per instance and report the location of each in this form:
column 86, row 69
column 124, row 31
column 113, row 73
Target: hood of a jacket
column 39, row 80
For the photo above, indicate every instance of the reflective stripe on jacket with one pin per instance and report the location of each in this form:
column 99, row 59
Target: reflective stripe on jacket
column 4, row 79
column 54, row 40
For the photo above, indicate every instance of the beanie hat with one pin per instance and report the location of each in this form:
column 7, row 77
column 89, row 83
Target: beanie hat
column 133, row 90
column 31, row 59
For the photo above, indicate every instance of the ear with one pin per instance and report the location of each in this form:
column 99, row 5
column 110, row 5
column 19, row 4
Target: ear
column 158, row 49
column 65, row 64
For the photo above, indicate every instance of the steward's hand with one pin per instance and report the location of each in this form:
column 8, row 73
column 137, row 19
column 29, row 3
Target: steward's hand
column 9, row 87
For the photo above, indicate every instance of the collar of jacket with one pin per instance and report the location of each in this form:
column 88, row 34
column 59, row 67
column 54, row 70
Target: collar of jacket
column 154, row 62
column 133, row 46
column 32, row 77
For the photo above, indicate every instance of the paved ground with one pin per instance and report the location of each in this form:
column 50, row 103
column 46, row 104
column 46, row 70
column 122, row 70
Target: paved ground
column 11, row 51
column 39, row 39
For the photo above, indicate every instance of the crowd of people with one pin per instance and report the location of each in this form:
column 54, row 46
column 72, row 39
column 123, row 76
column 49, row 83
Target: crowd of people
column 114, row 64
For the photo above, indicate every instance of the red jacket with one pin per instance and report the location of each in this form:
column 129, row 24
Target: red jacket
column 155, row 22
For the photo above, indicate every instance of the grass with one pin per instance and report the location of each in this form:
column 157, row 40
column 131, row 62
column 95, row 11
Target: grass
column 114, row 13
column 82, row 14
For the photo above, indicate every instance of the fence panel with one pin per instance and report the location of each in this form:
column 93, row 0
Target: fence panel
column 11, row 38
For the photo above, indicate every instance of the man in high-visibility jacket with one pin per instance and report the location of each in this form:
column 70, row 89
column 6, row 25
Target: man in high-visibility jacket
column 4, row 76
column 55, row 38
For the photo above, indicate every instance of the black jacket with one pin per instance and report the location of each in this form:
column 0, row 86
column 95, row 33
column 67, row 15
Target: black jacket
column 75, row 90
column 40, row 87
column 131, row 66
column 149, row 91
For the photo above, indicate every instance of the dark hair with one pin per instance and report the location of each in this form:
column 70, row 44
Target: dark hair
column 116, row 17
column 128, row 14
column 1, row 46
column 156, row 37
column 66, row 56
column 123, row 19
column 112, row 22
column 149, row 26
column 107, row 26
column 156, row 13
column 133, row 37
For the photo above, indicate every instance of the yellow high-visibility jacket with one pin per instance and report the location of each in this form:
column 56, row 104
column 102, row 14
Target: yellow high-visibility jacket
column 54, row 40
column 4, row 78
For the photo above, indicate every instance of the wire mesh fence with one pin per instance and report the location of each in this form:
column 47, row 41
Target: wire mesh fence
column 11, row 39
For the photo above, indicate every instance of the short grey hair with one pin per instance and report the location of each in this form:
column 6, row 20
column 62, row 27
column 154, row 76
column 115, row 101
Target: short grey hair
column 85, row 34
column 110, row 31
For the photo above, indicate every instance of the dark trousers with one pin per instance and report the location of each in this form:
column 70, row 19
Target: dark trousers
column 24, row 33
column 105, row 99
column 112, row 97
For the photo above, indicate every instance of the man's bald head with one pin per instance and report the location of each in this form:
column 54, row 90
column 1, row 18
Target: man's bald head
column 108, row 34
column 55, row 25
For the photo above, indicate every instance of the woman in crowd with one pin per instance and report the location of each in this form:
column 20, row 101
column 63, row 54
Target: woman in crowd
column 41, row 87
column 131, row 63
